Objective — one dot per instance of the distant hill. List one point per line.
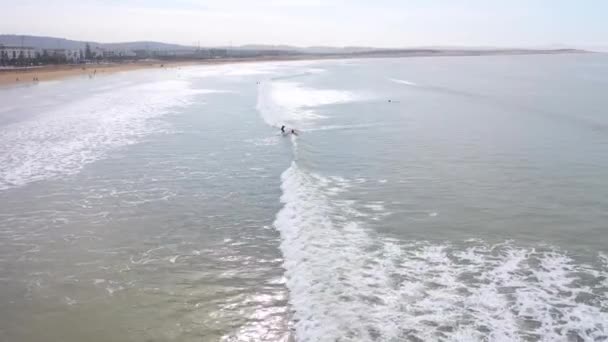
(309, 49)
(61, 43)
(145, 46)
(598, 48)
(40, 42)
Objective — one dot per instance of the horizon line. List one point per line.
(472, 46)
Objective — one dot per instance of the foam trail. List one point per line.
(324, 260)
(281, 102)
(342, 127)
(403, 82)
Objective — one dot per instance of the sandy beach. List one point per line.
(52, 72)
(30, 75)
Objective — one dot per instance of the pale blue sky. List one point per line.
(380, 23)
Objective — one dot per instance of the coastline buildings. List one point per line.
(97, 52)
(70, 56)
(30, 56)
(119, 54)
(10, 53)
(26, 54)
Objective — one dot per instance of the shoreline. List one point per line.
(33, 75)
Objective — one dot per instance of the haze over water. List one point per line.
(454, 199)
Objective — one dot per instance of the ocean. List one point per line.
(423, 199)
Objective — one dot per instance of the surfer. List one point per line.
(283, 129)
(293, 131)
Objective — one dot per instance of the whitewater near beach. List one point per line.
(424, 199)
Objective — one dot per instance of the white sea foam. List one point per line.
(6, 108)
(374, 206)
(63, 140)
(403, 82)
(320, 257)
(49, 83)
(282, 102)
(348, 284)
(267, 141)
(173, 259)
(314, 71)
(236, 70)
(251, 69)
(342, 127)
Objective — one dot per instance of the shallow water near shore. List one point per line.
(454, 199)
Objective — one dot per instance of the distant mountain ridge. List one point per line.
(41, 42)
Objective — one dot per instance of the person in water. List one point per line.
(283, 129)
(293, 131)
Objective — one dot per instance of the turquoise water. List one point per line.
(423, 199)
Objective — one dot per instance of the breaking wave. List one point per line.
(348, 284)
(64, 140)
(282, 102)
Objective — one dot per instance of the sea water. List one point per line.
(454, 199)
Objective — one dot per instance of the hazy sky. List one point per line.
(315, 22)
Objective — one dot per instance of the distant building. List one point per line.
(72, 56)
(97, 52)
(15, 52)
(163, 53)
(128, 53)
(218, 53)
(119, 54)
(202, 53)
(141, 53)
(108, 54)
(174, 53)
